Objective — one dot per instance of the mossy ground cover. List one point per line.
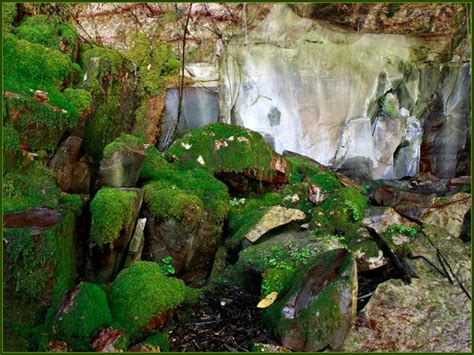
(111, 211)
(140, 293)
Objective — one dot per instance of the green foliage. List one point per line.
(304, 171)
(177, 187)
(9, 12)
(276, 280)
(48, 31)
(340, 213)
(166, 267)
(140, 293)
(393, 229)
(89, 312)
(123, 143)
(111, 211)
(153, 60)
(236, 202)
(224, 148)
(353, 209)
(29, 187)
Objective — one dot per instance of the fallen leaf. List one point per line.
(268, 301)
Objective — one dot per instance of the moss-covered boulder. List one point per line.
(113, 216)
(81, 313)
(279, 259)
(123, 158)
(153, 344)
(319, 308)
(185, 212)
(40, 101)
(40, 265)
(111, 80)
(230, 152)
(142, 297)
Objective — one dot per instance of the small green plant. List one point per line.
(167, 268)
(352, 207)
(366, 189)
(236, 202)
(401, 229)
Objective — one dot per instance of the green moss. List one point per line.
(110, 79)
(123, 143)
(140, 293)
(240, 151)
(389, 106)
(48, 31)
(303, 171)
(9, 13)
(29, 187)
(340, 213)
(38, 271)
(153, 60)
(197, 185)
(166, 200)
(111, 211)
(276, 280)
(87, 314)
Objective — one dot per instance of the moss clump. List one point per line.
(224, 148)
(340, 213)
(389, 105)
(29, 187)
(111, 211)
(89, 311)
(166, 200)
(196, 186)
(29, 67)
(304, 171)
(110, 80)
(276, 280)
(9, 13)
(141, 293)
(123, 143)
(154, 60)
(49, 31)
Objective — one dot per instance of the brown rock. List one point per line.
(104, 341)
(36, 219)
(57, 346)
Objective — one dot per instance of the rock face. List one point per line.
(282, 79)
(431, 314)
(319, 308)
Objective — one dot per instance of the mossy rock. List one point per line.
(222, 148)
(49, 31)
(30, 67)
(142, 297)
(155, 343)
(340, 213)
(304, 171)
(111, 211)
(110, 78)
(319, 308)
(82, 312)
(39, 269)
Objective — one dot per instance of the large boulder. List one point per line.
(142, 298)
(319, 308)
(185, 211)
(433, 313)
(113, 216)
